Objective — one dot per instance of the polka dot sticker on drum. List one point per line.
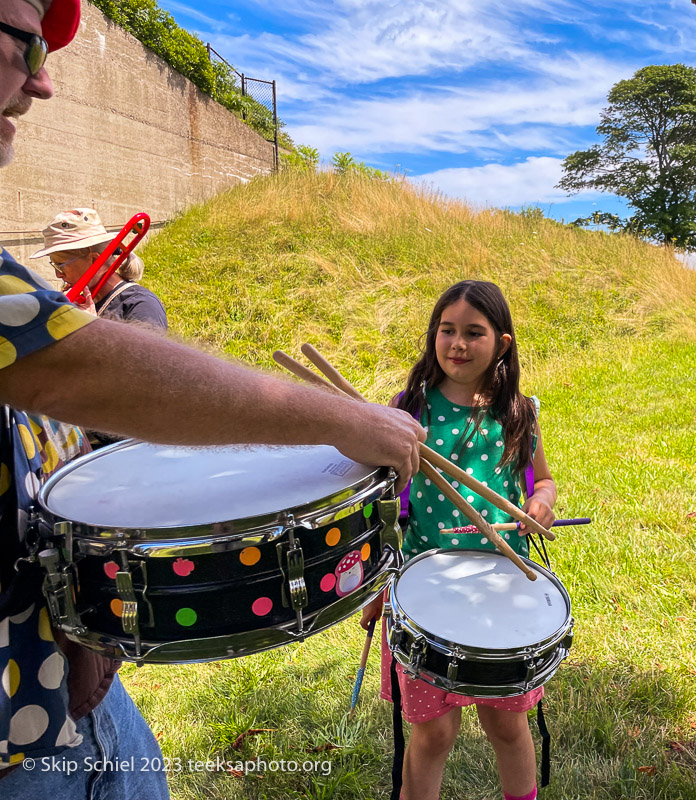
(365, 551)
(367, 511)
(183, 567)
(250, 556)
(328, 582)
(333, 537)
(186, 617)
(262, 606)
(110, 569)
(116, 606)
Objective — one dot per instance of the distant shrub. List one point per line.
(344, 163)
(188, 55)
(303, 158)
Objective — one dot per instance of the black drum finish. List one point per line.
(232, 590)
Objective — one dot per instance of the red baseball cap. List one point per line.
(60, 23)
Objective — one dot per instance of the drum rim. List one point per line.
(313, 514)
(481, 654)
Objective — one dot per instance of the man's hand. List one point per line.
(380, 436)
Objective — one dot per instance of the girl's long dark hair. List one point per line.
(500, 385)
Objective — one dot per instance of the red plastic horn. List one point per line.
(137, 225)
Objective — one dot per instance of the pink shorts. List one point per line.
(421, 702)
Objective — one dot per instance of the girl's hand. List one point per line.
(88, 305)
(539, 509)
(372, 610)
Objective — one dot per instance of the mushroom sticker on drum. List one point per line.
(349, 573)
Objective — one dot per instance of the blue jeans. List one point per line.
(119, 759)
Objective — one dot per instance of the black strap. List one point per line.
(545, 746)
(399, 742)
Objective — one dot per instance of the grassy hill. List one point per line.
(607, 336)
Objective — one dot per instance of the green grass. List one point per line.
(606, 332)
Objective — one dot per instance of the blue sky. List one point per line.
(482, 99)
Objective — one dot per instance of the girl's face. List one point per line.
(465, 347)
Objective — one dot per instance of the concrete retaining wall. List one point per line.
(124, 133)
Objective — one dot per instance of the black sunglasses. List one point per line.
(36, 47)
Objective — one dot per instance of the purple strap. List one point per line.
(529, 477)
(404, 496)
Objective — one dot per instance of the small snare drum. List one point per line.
(471, 623)
(174, 555)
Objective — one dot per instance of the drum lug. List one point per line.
(458, 656)
(390, 535)
(129, 613)
(416, 656)
(531, 667)
(58, 589)
(295, 591)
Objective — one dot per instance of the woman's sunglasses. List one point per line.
(36, 48)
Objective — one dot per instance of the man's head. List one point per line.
(23, 21)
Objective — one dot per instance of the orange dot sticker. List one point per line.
(249, 556)
(333, 537)
(116, 607)
(365, 552)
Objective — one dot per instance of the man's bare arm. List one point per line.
(125, 380)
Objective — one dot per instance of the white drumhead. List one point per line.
(139, 485)
(480, 600)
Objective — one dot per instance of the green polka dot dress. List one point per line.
(448, 427)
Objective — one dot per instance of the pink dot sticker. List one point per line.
(111, 568)
(183, 567)
(262, 606)
(328, 582)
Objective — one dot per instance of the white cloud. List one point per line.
(528, 182)
(531, 116)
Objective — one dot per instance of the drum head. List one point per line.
(138, 485)
(480, 600)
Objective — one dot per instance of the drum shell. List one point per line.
(225, 590)
(469, 670)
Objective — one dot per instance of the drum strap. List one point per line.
(545, 746)
(399, 742)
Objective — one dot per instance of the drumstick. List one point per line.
(473, 515)
(435, 458)
(331, 372)
(493, 497)
(363, 663)
(303, 372)
(513, 526)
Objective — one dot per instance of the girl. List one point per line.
(465, 391)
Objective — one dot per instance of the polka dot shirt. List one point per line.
(448, 427)
(34, 719)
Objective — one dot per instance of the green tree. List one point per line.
(648, 154)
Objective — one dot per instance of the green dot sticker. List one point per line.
(367, 511)
(186, 617)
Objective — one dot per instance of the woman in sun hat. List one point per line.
(74, 240)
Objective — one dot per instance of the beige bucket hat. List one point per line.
(72, 230)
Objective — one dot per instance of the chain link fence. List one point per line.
(253, 99)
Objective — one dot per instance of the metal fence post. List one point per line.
(275, 128)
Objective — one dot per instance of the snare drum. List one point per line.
(158, 554)
(471, 623)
